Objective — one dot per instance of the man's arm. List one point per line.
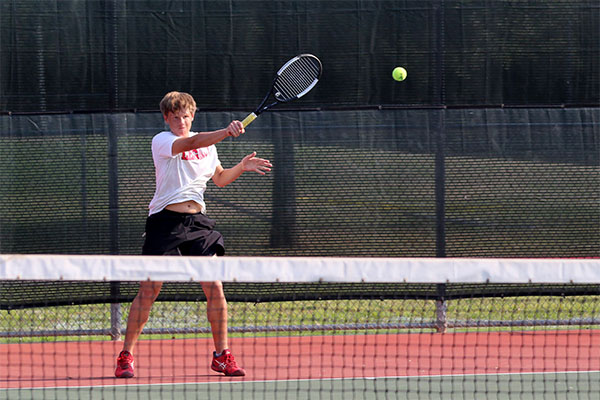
(224, 177)
(205, 139)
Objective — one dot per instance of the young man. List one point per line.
(177, 225)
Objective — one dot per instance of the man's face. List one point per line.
(180, 122)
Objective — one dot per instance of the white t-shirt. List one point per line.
(183, 176)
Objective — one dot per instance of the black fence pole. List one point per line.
(440, 158)
(284, 190)
(112, 73)
(114, 128)
(440, 186)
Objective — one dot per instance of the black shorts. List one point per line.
(173, 233)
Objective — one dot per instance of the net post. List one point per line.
(115, 311)
(441, 308)
(115, 321)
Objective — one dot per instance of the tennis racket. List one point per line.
(296, 78)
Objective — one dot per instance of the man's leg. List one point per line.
(138, 316)
(216, 310)
(139, 312)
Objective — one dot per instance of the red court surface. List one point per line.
(83, 363)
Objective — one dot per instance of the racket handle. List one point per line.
(249, 119)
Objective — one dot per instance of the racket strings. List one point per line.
(297, 79)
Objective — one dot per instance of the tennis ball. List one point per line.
(399, 74)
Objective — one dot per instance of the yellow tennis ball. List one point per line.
(399, 74)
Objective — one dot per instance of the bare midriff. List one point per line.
(186, 207)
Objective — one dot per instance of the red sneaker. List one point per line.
(226, 364)
(124, 365)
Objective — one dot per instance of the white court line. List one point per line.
(404, 377)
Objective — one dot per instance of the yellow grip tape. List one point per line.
(249, 119)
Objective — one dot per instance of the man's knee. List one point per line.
(149, 291)
(213, 291)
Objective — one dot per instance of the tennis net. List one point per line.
(304, 327)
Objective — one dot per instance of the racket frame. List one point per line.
(262, 107)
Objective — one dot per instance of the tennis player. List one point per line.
(177, 224)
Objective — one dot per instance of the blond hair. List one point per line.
(176, 101)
